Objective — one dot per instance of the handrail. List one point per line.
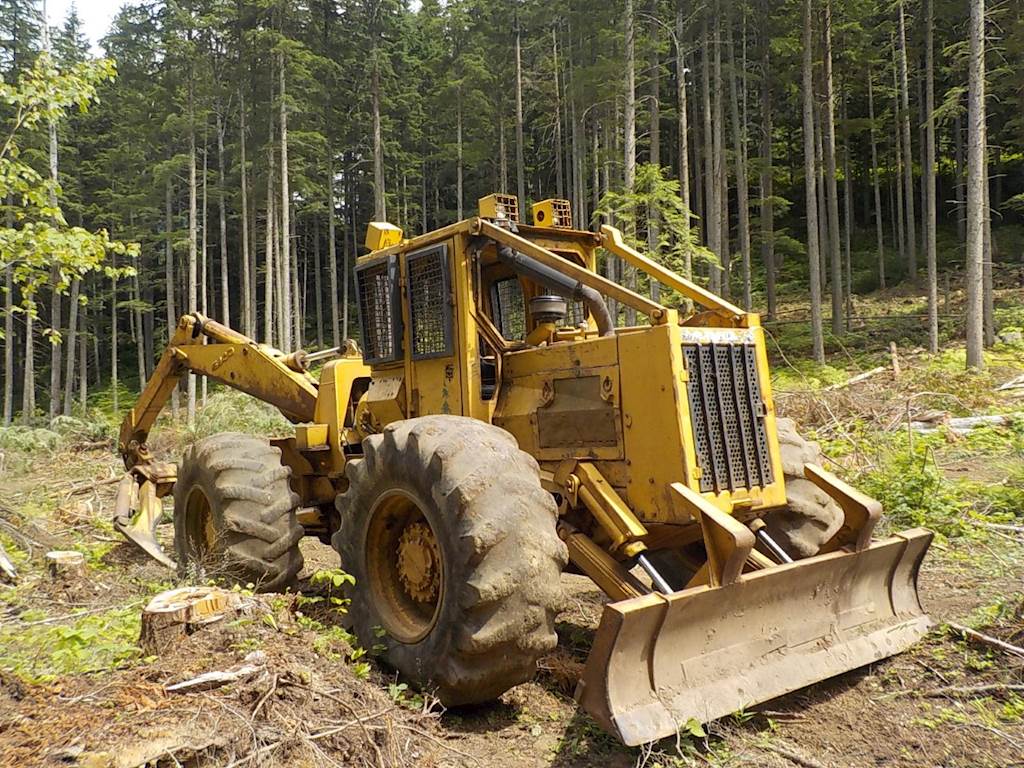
(611, 240)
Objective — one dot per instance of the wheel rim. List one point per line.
(405, 567)
(199, 528)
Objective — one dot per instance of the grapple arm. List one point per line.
(211, 349)
(205, 347)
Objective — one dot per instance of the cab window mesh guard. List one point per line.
(379, 313)
(430, 308)
(508, 309)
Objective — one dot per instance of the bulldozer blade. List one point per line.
(137, 513)
(662, 660)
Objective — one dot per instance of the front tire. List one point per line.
(452, 543)
(234, 513)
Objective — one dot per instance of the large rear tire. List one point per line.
(452, 543)
(811, 517)
(235, 513)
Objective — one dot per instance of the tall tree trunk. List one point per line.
(269, 288)
(879, 237)
(318, 286)
(654, 135)
(711, 209)
(520, 151)
(502, 160)
(988, 253)
(767, 176)
(810, 180)
(929, 179)
(976, 183)
(69, 364)
(828, 120)
(285, 257)
(823, 255)
(332, 249)
(225, 302)
(205, 268)
(739, 150)
(718, 119)
(908, 170)
(55, 297)
(172, 314)
(350, 241)
(193, 265)
(959, 191)
(379, 199)
(83, 372)
(683, 131)
(629, 132)
(9, 341)
(848, 222)
(559, 156)
(113, 343)
(458, 156)
(248, 314)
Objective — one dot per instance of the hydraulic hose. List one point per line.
(561, 284)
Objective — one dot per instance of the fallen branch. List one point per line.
(793, 757)
(975, 690)
(210, 680)
(991, 642)
(965, 424)
(91, 486)
(856, 379)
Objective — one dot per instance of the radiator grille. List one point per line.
(727, 414)
(429, 305)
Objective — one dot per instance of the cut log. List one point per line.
(964, 424)
(857, 379)
(257, 661)
(65, 566)
(992, 642)
(173, 614)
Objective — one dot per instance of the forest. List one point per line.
(242, 147)
(819, 204)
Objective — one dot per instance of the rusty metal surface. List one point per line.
(702, 653)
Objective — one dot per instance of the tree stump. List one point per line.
(173, 614)
(65, 566)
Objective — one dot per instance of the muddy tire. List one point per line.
(811, 517)
(452, 543)
(235, 513)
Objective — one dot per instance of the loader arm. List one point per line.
(206, 347)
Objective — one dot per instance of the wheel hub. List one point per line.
(419, 562)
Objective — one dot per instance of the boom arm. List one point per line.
(228, 357)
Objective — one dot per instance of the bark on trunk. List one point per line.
(739, 150)
(976, 183)
(248, 310)
(332, 249)
(908, 171)
(767, 177)
(879, 237)
(285, 258)
(810, 179)
(828, 120)
(520, 163)
(929, 179)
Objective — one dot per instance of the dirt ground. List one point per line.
(947, 702)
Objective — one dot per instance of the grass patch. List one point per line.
(38, 652)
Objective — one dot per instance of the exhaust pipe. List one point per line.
(561, 284)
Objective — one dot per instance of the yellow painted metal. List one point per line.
(380, 235)
(727, 542)
(341, 382)
(611, 240)
(659, 661)
(499, 207)
(596, 563)
(233, 359)
(861, 512)
(310, 437)
(552, 214)
(610, 511)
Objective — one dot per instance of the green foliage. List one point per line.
(39, 652)
(913, 492)
(655, 202)
(227, 410)
(40, 246)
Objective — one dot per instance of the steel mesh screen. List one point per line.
(508, 308)
(428, 304)
(377, 311)
(727, 415)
